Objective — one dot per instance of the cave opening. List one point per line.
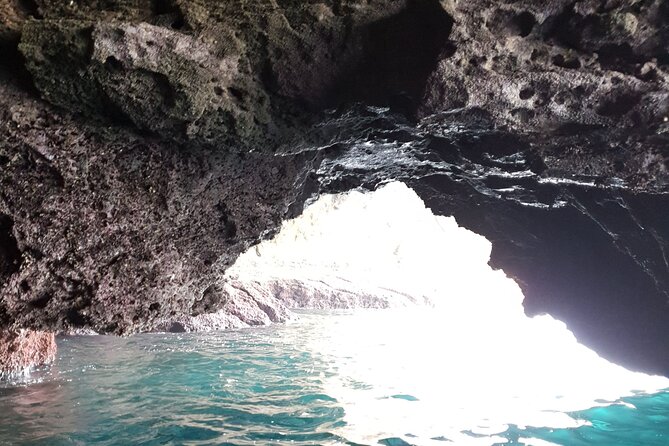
(447, 329)
(146, 145)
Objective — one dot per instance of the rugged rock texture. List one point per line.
(152, 142)
(237, 304)
(538, 65)
(97, 217)
(233, 72)
(252, 301)
(22, 349)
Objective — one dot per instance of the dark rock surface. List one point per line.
(144, 145)
(107, 219)
(538, 65)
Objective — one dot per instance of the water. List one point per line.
(325, 379)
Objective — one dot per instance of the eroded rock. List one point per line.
(23, 349)
(173, 135)
(90, 206)
(537, 66)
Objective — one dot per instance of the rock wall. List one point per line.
(115, 230)
(22, 349)
(539, 65)
(144, 145)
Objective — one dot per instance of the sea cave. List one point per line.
(398, 222)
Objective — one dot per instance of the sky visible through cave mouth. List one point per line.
(466, 366)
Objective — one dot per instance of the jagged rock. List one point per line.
(248, 301)
(537, 66)
(325, 294)
(155, 77)
(217, 72)
(179, 133)
(10, 256)
(113, 230)
(20, 350)
(239, 304)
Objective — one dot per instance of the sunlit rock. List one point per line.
(22, 349)
(244, 304)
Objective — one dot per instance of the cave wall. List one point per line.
(114, 229)
(144, 145)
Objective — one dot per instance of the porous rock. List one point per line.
(144, 145)
(22, 349)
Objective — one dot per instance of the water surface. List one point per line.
(326, 379)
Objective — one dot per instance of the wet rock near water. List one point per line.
(22, 349)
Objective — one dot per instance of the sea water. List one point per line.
(368, 377)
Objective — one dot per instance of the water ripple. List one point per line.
(264, 385)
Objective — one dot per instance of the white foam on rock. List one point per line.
(474, 362)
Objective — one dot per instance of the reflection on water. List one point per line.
(432, 375)
(27, 411)
(331, 379)
(464, 369)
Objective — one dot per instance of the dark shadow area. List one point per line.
(617, 57)
(167, 13)
(570, 63)
(618, 104)
(13, 68)
(399, 54)
(603, 285)
(10, 255)
(29, 8)
(504, 23)
(524, 23)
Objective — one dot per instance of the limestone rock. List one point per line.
(539, 66)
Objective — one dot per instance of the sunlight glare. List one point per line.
(469, 364)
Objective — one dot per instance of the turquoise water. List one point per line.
(283, 384)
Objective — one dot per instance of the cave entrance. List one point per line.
(381, 249)
(454, 333)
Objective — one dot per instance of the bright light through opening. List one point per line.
(469, 361)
